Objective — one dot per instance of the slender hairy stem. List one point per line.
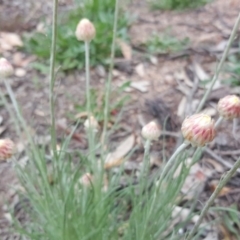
(217, 123)
(87, 72)
(172, 159)
(234, 129)
(145, 167)
(52, 77)
(169, 164)
(110, 74)
(90, 130)
(220, 65)
(214, 195)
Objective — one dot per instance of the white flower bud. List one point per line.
(91, 123)
(198, 129)
(85, 30)
(151, 131)
(6, 68)
(7, 149)
(229, 107)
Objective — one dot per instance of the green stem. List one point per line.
(110, 75)
(90, 130)
(217, 123)
(52, 77)
(37, 158)
(234, 129)
(214, 195)
(87, 71)
(170, 162)
(7, 105)
(220, 65)
(145, 167)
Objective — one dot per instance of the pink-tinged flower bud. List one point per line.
(85, 30)
(6, 68)
(91, 123)
(229, 107)
(7, 149)
(198, 129)
(151, 131)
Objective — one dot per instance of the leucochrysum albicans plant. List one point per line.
(83, 201)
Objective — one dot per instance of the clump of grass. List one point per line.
(118, 97)
(160, 44)
(72, 53)
(177, 4)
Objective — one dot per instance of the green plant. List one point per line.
(177, 4)
(71, 51)
(75, 197)
(161, 44)
(233, 69)
(231, 219)
(98, 102)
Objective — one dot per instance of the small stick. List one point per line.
(219, 159)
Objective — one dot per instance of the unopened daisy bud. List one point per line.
(7, 149)
(86, 179)
(151, 131)
(91, 123)
(229, 107)
(198, 129)
(85, 30)
(6, 68)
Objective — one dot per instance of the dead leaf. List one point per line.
(182, 107)
(141, 86)
(195, 179)
(20, 60)
(220, 46)
(184, 89)
(140, 70)
(210, 111)
(225, 231)
(41, 28)
(10, 40)
(20, 72)
(116, 158)
(182, 76)
(214, 165)
(206, 38)
(39, 113)
(223, 192)
(200, 72)
(81, 115)
(155, 159)
(203, 76)
(153, 60)
(125, 49)
(76, 136)
(100, 70)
